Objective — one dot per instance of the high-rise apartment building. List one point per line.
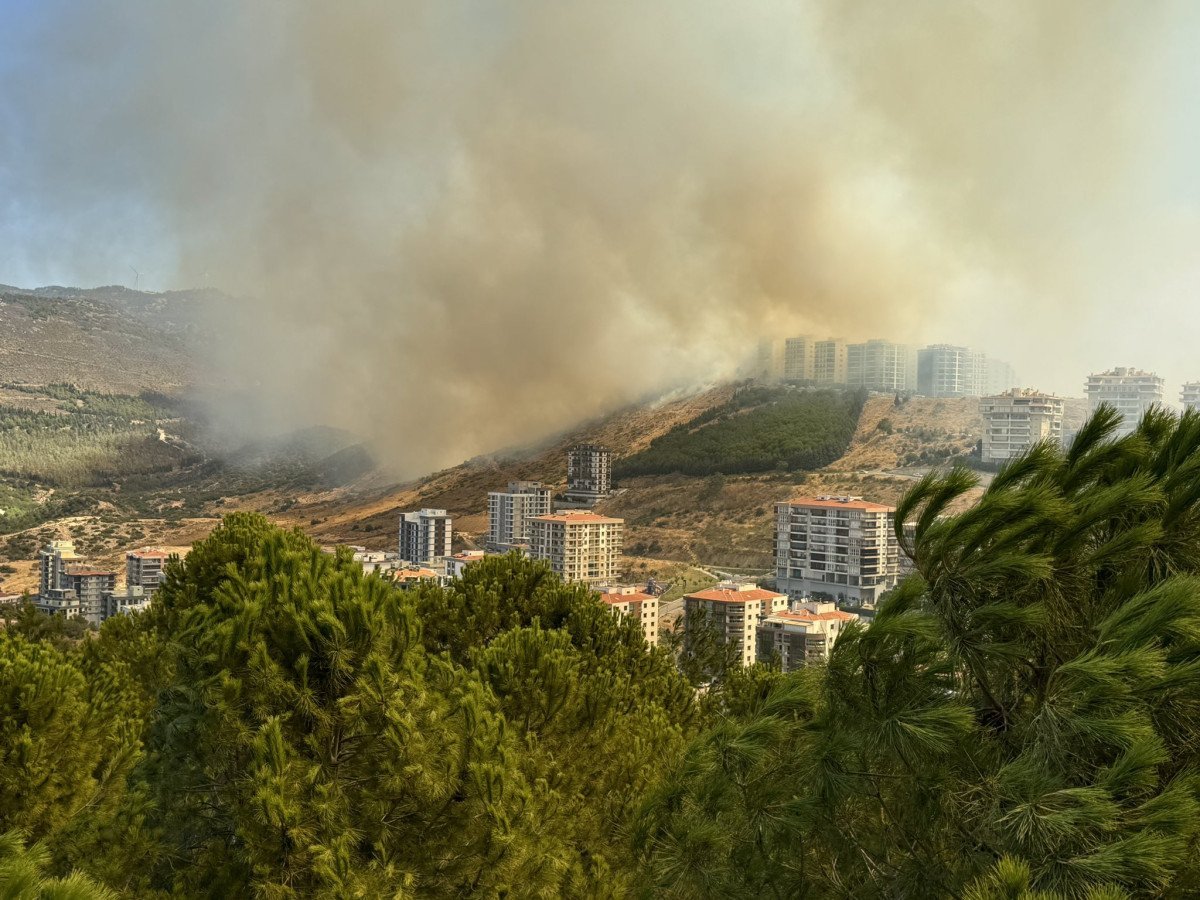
(589, 473)
(1015, 420)
(842, 548)
(1189, 396)
(829, 362)
(733, 611)
(509, 512)
(945, 370)
(580, 546)
(1130, 391)
(881, 366)
(1001, 377)
(53, 563)
(768, 362)
(91, 587)
(799, 362)
(144, 569)
(801, 635)
(637, 605)
(425, 536)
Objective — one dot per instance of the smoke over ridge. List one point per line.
(459, 225)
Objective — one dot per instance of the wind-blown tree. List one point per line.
(1020, 719)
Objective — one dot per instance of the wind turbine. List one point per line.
(137, 278)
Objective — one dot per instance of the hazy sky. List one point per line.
(460, 224)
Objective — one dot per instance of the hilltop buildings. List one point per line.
(1130, 391)
(945, 370)
(879, 365)
(801, 635)
(798, 359)
(1189, 396)
(580, 546)
(637, 605)
(589, 473)
(425, 536)
(841, 548)
(509, 513)
(733, 611)
(69, 588)
(1015, 420)
(829, 362)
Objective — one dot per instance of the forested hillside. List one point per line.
(1020, 720)
(759, 429)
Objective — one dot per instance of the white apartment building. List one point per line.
(1130, 391)
(798, 360)
(509, 512)
(589, 473)
(842, 548)
(1017, 419)
(132, 599)
(829, 362)
(801, 635)
(768, 362)
(144, 569)
(1189, 396)
(457, 564)
(881, 365)
(733, 610)
(425, 536)
(637, 605)
(580, 546)
(52, 564)
(1001, 376)
(945, 370)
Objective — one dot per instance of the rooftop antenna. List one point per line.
(137, 278)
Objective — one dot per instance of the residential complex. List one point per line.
(842, 548)
(1189, 396)
(733, 610)
(637, 605)
(457, 564)
(801, 635)
(580, 546)
(1017, 419)
(945, 370)
(425, 536)
(881, 365)
(798, 359)
(589, 473)
(1130, 391)
(144, 569)
(52, 565)
(510, 511)
(829, 362)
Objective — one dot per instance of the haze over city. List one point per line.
(453, 226)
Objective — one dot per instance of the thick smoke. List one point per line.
(461, 225)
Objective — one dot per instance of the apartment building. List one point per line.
(144, 569)
(1130, 391)
(732, 610)
(843, 548)
(425, 536)
(131, 599)
(798, 360)
(881, 365)
(53, 562)
(509, 512)
(580, 546)
(589, 473)
(457, 564)
(1189, 396)
(90, 587)
(637, 605)
(768, 361)
(829, 362)
(1015, 420)
(1000, 376)
(801, 635)
(946, 370)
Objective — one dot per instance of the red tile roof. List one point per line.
(723, 596)
(611, 597)
(830, 503)
(804, 615)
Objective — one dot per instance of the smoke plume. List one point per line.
(461, 225)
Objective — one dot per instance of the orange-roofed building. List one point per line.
(801, 635)
(835, 548)
(637, 605)
(411, 577)
(733, 610)
(579, 546)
